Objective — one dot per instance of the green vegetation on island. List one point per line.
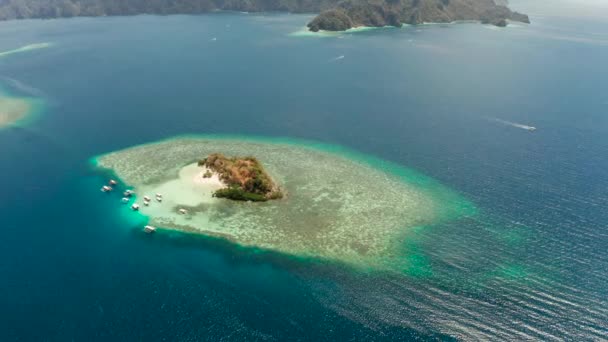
(245, 178)
(335, 15)
(377, 13)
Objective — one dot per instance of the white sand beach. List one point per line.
(189, 190)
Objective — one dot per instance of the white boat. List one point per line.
(160, 199)
(183, 211)
(135, 207)
(146, 198)
(125, 200)
(106, 188)
(112, 182)
(146, 203)
(128, 193)
(149, 229)
(159, 195)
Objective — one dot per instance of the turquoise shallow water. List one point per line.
(530, 264)
(33, 107)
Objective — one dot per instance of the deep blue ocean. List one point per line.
(444, 100)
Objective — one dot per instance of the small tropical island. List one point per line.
(245, 178)
(336, 204)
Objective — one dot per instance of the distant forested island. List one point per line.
(335, 15)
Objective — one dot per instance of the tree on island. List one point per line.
(245, 178)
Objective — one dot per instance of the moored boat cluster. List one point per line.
(127, 197)
(135, 206)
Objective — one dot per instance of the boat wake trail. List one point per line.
(514, 124)
(25, 48)
(337, 58)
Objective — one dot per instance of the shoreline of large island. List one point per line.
(342, 205)
(333, 15)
